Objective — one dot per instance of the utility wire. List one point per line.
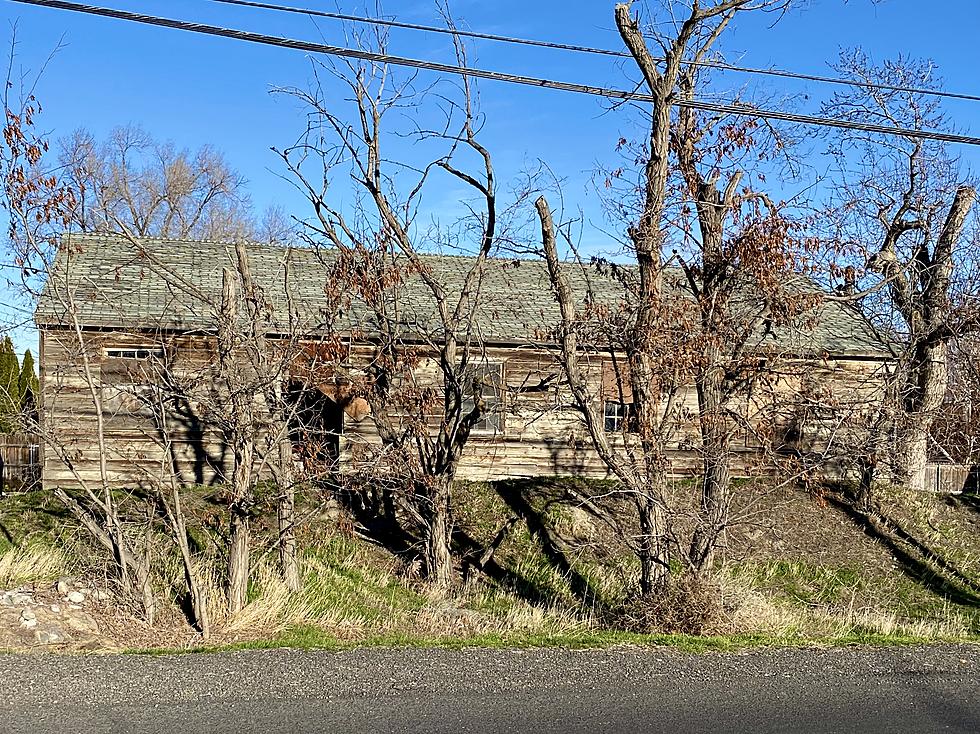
(726, 109)
(591, 50)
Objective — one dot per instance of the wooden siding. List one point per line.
(541, 434)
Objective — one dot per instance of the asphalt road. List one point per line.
(920, 689)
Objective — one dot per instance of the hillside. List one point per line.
(540, 568)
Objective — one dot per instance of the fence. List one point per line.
(950, 478)
(20, 462)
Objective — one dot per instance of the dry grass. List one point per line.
(272, 610)
(749, 611)
(356, 591)
(476, 610)
(844, 614)
(848, 622)
(31, 563)
(686, 605)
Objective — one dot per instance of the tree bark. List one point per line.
(928, 379)
(654, 550)
(199, 606)
(438, 555)
(240, 433)
(238, 561)
(865, 491)
(716, 482)
(239, 535)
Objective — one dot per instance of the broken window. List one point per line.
(618, 417)
(134, 353)
(486, 381)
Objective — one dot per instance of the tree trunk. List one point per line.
(238, 561)
(654, 550)
(438, 554)
(239, 535)
(926, 383)
(288, 558)
(199, 605)
(865, 492)
(716, 483)
(912, 452)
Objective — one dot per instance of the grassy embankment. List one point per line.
(799, 569)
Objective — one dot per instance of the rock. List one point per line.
(82, 624)
(47, 637)
(38, 627)
(582, 525)
(55, 608)
(76, 597)
(62, 587)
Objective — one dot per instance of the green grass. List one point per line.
(803, 583)
(345, 580)
(313, 638)
(33, 516)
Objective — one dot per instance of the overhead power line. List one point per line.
(351, 53)
(591, 50)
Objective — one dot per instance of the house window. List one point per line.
(485, 380)
(619, 417)
(130, 380)
(135, 353)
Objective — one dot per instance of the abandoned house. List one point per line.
(113, 312)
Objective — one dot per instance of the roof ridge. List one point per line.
(271, 246)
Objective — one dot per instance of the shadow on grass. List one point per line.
(7, 534)
(380, 526)
(966, 501)
(471, 550)
(516, 494)
(919, 561)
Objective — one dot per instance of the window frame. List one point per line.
(141, 352)
(126, 379)
(492, 422)
(621, 420)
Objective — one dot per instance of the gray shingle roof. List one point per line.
(168, 284)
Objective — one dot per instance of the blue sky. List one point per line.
(196, 89)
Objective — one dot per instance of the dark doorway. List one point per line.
(318, 424)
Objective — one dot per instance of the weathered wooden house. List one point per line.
(112, 310)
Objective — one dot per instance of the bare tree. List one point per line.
(741, 254)
(427, 375)
(39, 207)
(154, 189)
(45, 211)
(241, 397)
(903, 206)
(653, 321)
